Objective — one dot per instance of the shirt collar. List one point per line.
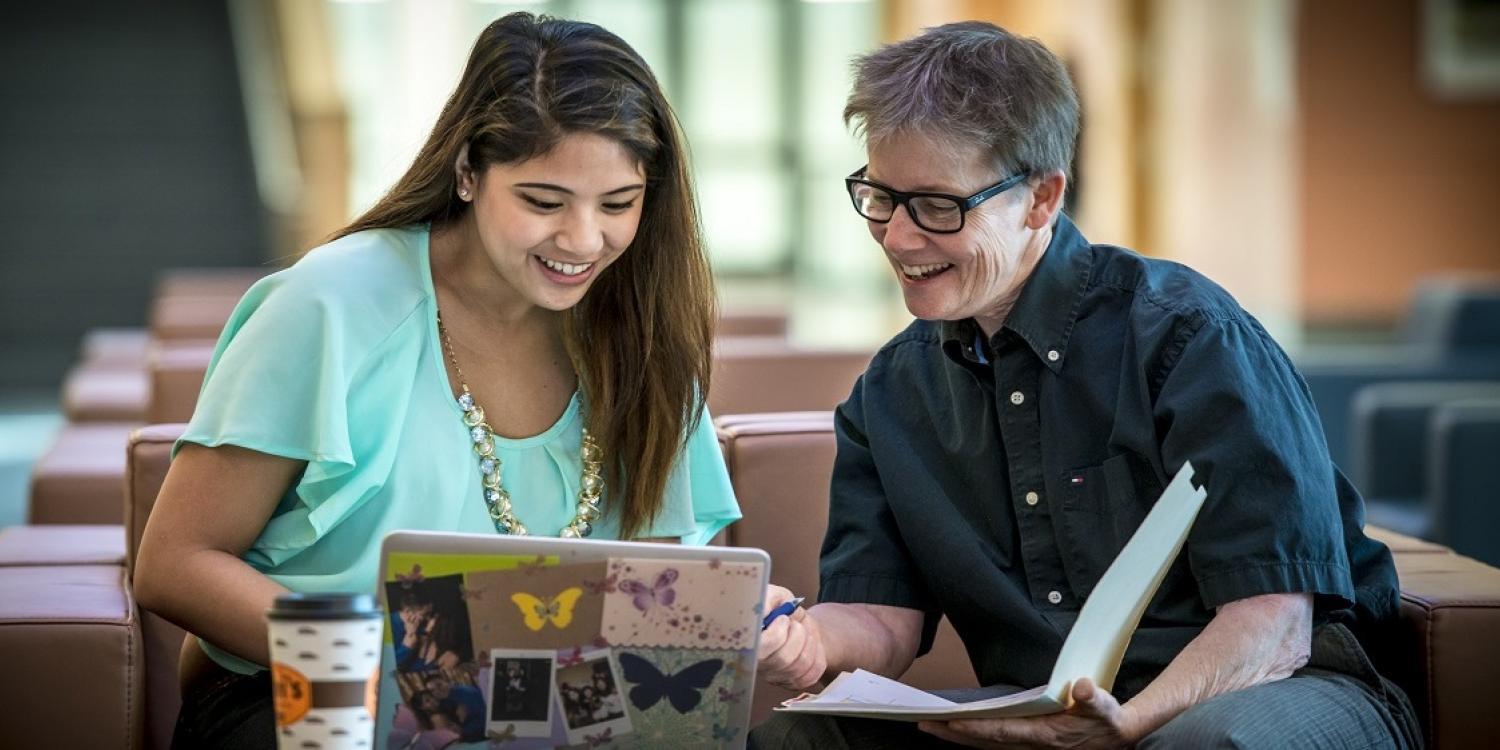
(1048, 306)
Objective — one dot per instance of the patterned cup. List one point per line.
(323, 649)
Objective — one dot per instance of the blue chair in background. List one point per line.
(1465, 497)
(1451, 333)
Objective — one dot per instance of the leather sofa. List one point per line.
(758, 374)
(148, 457)
(70, 639)
(1442, 650)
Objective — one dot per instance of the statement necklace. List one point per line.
(590, 483)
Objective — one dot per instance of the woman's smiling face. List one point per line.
(551, 224)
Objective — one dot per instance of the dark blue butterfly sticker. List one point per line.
(684, 689)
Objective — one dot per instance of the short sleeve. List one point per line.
(280, 383)
(864, 559)
(699, 499)
(1232, 403)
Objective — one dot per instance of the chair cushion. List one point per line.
(79, 479)
(105, 393)
(71, 644)
(62, 545)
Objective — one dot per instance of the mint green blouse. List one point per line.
(336, 361)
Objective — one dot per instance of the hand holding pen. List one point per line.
(791, 643)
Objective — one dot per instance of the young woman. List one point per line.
(515, 339)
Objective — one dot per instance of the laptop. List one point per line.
(533, 642)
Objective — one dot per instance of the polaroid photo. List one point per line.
(593, 703)
(522, 689)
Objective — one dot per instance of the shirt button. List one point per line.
(1032, 498)
(1017, 398)
(1055, 597)
(1052, 355)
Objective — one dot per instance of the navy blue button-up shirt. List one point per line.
(994, 480)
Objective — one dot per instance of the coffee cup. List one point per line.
(324, 647)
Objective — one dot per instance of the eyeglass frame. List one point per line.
(900, 199)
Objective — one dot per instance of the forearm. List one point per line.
(1248, 642)
(216, 596)
(855, 637)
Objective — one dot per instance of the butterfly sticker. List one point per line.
(603, 738)
(684, 690)
(646, 597)
(469, 594)
(606, 586)
(409, 579)
(558, 610)
(571, 660)
(738, 667)
(509, 735)
(532, 566)
(724, 733)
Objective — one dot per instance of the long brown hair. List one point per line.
(641, 340)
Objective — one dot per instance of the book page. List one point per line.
(869, 688)
(1094, 647)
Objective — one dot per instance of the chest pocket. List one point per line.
(1102, 506)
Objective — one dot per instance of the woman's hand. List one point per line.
(791, 649)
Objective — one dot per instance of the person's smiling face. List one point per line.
(969, 273)
(551, 224)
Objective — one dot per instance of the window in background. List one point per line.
(759, 87)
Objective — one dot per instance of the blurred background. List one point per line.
(1334, 163)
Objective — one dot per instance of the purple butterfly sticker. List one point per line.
(661, 593)
(603, 738)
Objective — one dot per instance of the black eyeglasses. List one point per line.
(940, 213)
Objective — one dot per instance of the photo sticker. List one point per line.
(590, 691)
(521, 695)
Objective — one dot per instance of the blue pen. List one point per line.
(786, 608)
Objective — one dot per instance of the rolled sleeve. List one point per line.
(1232, 404)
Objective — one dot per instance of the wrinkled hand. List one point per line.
(1094, 721)
(791, 650)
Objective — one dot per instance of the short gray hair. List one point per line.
(970, 83)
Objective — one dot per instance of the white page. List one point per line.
(864, 687)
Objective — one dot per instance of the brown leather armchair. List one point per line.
(70, 639)
(148, 456)
(1442, 652)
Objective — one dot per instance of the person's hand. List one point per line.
(1094, 721)
(791, 649)
(410, 620)
(372, 691)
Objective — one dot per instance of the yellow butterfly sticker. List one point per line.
(558, 610)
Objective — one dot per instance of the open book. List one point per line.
(1093, 648)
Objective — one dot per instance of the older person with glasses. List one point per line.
(997, 455)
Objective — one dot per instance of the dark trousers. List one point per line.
(229, 711)
(1337, 700)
